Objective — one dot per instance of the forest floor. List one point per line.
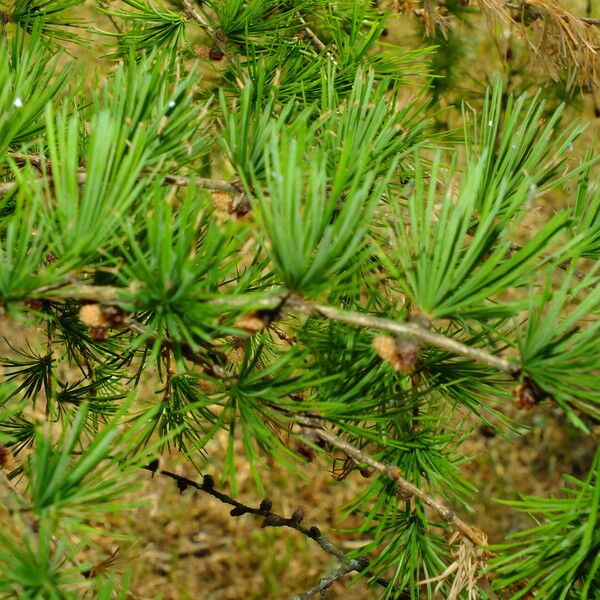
(192, 548)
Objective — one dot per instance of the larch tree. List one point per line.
(246, 206)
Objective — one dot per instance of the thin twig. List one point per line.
(200, 182)
(217, 37)
(110, 294)
(324, 583)
(270, 519)
(526, 6)
(393, 473)
(314, 38)
(403, 328)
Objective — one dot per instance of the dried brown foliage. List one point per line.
(562, 43)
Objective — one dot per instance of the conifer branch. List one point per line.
(393, 473)
(245, 347)
(405, 329)
(36, 160)
(216, 36)
(272, 519)
(111, 296)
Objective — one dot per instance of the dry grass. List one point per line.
(188, 546)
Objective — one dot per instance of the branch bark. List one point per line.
(294, 304)
(314, 38)
(217, 185)
(393, 473)
(406, 329)
(324, 583)
(272, 519)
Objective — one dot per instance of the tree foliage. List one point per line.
(249, 208)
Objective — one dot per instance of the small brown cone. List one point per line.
(401, 355)
(527, 395)
(252, 323)
(6, 458)
(92, 316)
(216, 54)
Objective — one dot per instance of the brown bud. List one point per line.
(401, 355)
(208, 482)
(182, 485)
(6, 458)
(93, 316)
(528, 394)
(114, 315)
(266, 505)
(33, 304)
(252, 322)
(305, 451)
(297, 516)
(153, 466)
(215, 54)
(314, 532)
(240, 205)
(99, 334)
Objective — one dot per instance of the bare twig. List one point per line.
(324, 583)
(314, 38)
(393, 473)
(272, 519)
